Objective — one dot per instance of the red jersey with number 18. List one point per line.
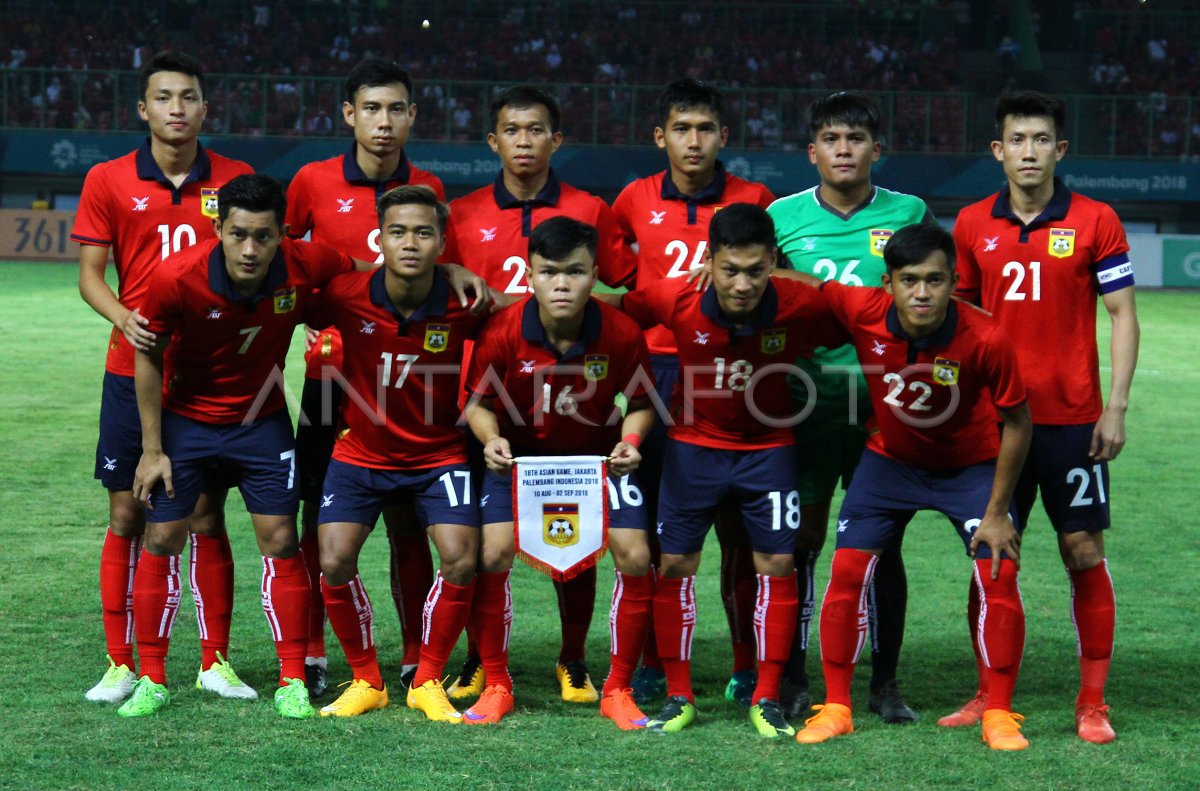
(1040, 281)
(933, 399)
(129, 205)
(225, 363)
(671, 228)
(732, 392)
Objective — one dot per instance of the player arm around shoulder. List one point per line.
(100, 297)
(625, 456)
(1108, 438)
(154, 465)
(996, 528)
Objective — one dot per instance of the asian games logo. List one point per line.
(64, 154)
(1191, 266)
(740, 167)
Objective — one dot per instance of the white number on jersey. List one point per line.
(290, 457)
(1016, 270)
(826, 269)
(1079, 475)
(922, 390)
(739, 373)
(448, 481)
(785, 510)
(679, 249)
(373, 243)
(182, 237)
(517, 265)
(565, 404)
(251, 333)
(629, 494)
(406, 361)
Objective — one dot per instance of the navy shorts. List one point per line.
(666, 375)
(120, 445)
(885, 494)
(314, 442)
(626, 502)
(442, 495)
(697, 480)
(1074, 487)
(260, 458)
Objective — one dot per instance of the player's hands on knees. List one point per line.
(1108, 438)
(152, 468)
(624, 459)
(497, 454)
(134, 329)
(1000, 535)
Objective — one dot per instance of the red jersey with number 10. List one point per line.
(129, 205)
(225, 362)
(1040, 281)
(933, 399)
(671, 228)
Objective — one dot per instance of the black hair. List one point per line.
(689, 94)
(912, 244)
(740, 224)
(252, 192)
(854, 109)
(1030, 104)
(413, 193)
(376, 72)
(525, 96)
(556, 238)
(170, 60)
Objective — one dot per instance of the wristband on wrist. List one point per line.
(633, 439)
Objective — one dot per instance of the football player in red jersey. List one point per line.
(400, 439)
(145, 206)
(938, 374)
(229, 307)
(333, 201)
(546, 378)
(489, 233)
(1036, 255)
(667, 215)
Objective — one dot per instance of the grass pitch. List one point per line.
(52, 519)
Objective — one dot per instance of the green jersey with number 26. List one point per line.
(817, 239)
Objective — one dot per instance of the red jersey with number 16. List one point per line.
(933, 399)
(671, 228)
(1041, 281)
(225, 363)
(129, 205)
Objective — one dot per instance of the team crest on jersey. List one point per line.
(1062, 242)
(437, 337)
(560, 524)
(208, 201)
(595, 367)
(945, 371)
(285, 299)
(773, 340)
(879, 240)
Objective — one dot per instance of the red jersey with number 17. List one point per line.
(225, 362)
(732, 392)
(933, 399)
(400, 406)
(561, 402)
(489, 232)
(128, 204)
(671, 228)
(334, 202)
(1041, 281)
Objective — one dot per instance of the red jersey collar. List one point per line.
(354, 174)
(219, 282)
(1056, 209)
(148, 169)
(939, 337)
(548, 196)
(436, 301)
(533, 331)
(764, 314)
(710, 194)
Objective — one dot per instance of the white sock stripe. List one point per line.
(135, 551)
(614, 608)
(508, 608)
(167, 621)
(864, 592)
(435, 593)
(983, 654)
(268, 598)
(197, 594)
(364, 611)
(762, 602)
(687, 596)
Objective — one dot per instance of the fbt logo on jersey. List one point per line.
(345, 205)
(140, 204)
(488, 234)
(657, 217)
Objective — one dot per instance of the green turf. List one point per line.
(52, 517)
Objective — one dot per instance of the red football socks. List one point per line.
(628, 621)
(674, 625)
(774, 626)
(1094, 610)
(446, 609)
(285, 599)
(211, 581)
(353, 621)
(491, 616)
(118, 561)
(311, 551)
(412, 576)
(973, 627)
(843, 627)
(1002, 630)
(576, 601)
(156, 591)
